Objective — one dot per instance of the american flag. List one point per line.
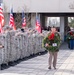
(23, 20)
(1, 19)
(38, 26)
(11, 21)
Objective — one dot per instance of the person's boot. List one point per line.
(54, 67)
(49, 67)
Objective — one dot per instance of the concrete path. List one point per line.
(39, 65)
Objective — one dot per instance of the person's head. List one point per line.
(6, 28)
(22, 30)
(49, 28)
(53, 29)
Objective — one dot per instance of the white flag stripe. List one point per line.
(1, 15)
(0, 10)
(11, 20)
(11, 17)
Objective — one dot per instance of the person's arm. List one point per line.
(59, 40)
(45, 42)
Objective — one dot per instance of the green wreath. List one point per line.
(56, 41)
(70, 35)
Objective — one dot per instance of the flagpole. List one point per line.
(35, 19)
(36, 14)
(40, 23)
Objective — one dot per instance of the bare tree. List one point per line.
(18, 17)
(71, 22)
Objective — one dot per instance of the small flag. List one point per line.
(11, 22)
(38, 26)
(1, 19)
(23, 20)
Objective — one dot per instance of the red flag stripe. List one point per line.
(1, 19)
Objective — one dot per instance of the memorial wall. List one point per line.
(39, 5)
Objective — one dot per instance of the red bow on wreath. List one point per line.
(51, 36)
(71, 33)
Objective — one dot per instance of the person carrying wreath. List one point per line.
(52, 43)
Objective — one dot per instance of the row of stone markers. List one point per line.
(18, 45)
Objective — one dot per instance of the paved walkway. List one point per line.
(39, 65)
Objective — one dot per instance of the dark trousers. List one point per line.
(53, 55)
